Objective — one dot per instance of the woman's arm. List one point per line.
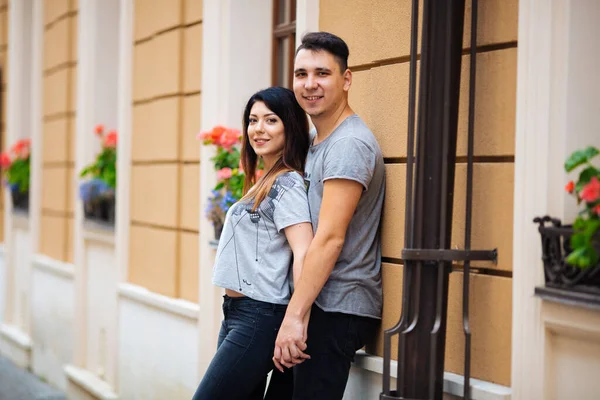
(299, 237)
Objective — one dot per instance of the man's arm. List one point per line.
(340, 199)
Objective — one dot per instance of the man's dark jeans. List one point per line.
(333, 339)
(244, 354)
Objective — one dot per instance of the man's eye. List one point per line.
(300, 74)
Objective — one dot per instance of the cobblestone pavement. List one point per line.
(18, 384)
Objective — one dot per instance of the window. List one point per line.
(284, 42)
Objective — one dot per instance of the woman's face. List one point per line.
(265, 133)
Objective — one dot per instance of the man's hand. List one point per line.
(291, 342)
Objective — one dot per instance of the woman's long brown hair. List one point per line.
(283, 103)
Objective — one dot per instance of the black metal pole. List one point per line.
(432, 224)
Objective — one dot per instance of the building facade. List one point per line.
(128, 311)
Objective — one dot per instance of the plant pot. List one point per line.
(100, 209)
(556, 246)
(20, 200)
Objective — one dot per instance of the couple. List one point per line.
(331, 185)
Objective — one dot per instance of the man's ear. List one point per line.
(347, 80)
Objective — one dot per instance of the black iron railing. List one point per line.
(427, 257)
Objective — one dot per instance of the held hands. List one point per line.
(291, 342)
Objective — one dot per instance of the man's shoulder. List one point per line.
(357, 130)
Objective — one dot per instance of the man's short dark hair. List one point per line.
(319, 41)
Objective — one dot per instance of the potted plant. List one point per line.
(571, 253)
(16, 166)
(230, 174)
(98, 192)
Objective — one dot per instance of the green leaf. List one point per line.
(578, 240)
(580, 157)
(582, 258)
(585, 176)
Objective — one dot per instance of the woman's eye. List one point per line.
(272, 121)
(252, 121)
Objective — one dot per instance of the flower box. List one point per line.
(556, 247)
(20, 200)
(16, 164)
(100, 209)
(98, 193)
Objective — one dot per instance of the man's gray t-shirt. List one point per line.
(351, 152)
(254, 257)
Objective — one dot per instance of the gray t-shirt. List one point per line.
(351, 152)
(254, 256)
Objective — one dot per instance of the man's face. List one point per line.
(319, 85)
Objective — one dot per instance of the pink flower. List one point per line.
(110, 140)
(20, 146)
(224, 173)
(5, 160)
(591, 192)
(24, 153)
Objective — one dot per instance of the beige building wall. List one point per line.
(379, 40)
(59, 178)
(165, 202)
(3, 91)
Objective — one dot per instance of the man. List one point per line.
(342, 268)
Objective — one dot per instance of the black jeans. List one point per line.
(244, 354)
(333, 339)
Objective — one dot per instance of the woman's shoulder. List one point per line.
(290, 178)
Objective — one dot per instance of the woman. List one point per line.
(263, 232)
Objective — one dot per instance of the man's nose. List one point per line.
(311, 82)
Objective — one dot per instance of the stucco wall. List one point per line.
(59, 178)
(165, 215)
(379, 39)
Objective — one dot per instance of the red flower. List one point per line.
(99, 129)
(259, 173)
(570, 187)
(5, 160)
(21, 148)
(229, 138)
(597, 209)
(213, 136)
(110, 140)
(591, 192)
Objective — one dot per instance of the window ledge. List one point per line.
(142, 295)
(98, 232)
(569, 297)
(453, 383)
(53, 266)
(90, 382)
